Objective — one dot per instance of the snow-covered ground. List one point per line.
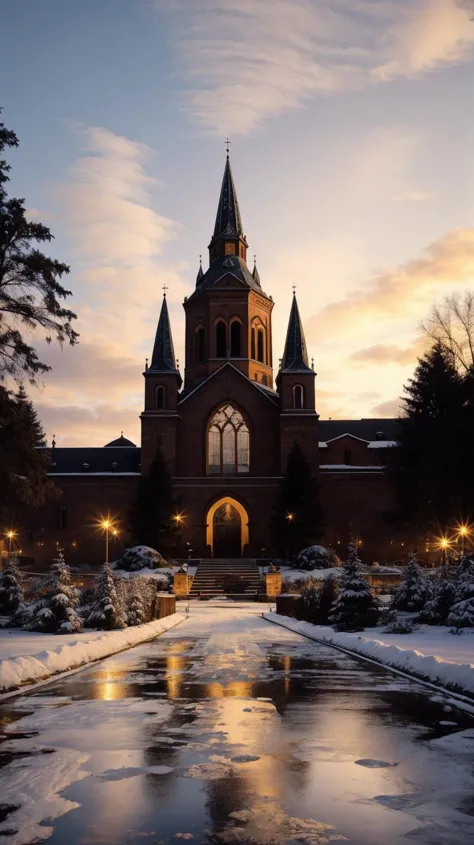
(436, 656)
(27, 658)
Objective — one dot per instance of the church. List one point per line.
(226, 427)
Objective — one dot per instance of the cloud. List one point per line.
(389, 409)
(250, 61)
(413, 196)
(75, 425)
(448, 261)
(382, 353)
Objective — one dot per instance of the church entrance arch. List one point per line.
(227, 529)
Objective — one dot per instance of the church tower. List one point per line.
(228, 317)
(162, 383)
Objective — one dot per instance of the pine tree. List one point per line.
(136, 614)
(107, 612)
(427, 467)
(11, 587)
(414, 590)
(462, 611)
(23, 466)
(30, 289)
(355, 607)
(298, 518)
(437, 608)
(56, 613)
(151, 518)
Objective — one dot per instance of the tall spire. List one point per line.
(295, 356)
(163, 359)
(228, 219)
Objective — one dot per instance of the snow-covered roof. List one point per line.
(382, 444)
(347, 434)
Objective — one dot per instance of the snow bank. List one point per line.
(27, 669)
(454, 676)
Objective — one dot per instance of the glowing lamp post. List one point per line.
(463, 533)
(108, 527)
(10, 535)
(444, 544)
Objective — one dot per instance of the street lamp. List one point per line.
(290, 517)
(463, 533)
(108, 527)
(444, 543)
(10, 535)
(178, 518)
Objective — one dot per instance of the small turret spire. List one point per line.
(163, 359)
(255, 273)
(200, 272)
(295, 356)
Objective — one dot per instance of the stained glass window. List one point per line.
(228, 443)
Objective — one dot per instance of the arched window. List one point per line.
(298, 397)
(347, 457)
(160, 397)
(253, 347)
(199, 345)
(221, 339)
(228, 443)
(235, 330)
(260, 345)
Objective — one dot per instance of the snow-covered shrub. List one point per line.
(308, 606)
(136, 613)
(355, 607)
(415, 588)
(56, 612)
(107, 611)
(401, 626)
(462, 611)
(317, 557)
(11, 587)
(437, 608)
(140, 557)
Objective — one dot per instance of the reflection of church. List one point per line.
(228, 430)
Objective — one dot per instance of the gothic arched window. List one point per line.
(235, 330)
(199, 345)
(253, 349)
(260, 345)
(228, 451)
(221, 339)
(160, 397)
(298, 397)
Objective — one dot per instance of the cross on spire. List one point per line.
(294, 288)
(227, 143)
(164, 289)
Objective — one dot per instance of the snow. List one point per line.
(431, 656)
(22, 662)
(302, 575)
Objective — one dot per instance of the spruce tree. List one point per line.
(11, 587)
(30, 288)
(427, 466)
(298, 518)
(56, 612)
(437, 608)
(136, 614)
(462, 611)
(151, 518)
(107, 612)
(414, 589)
(355, 606)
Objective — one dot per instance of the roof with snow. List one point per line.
(364, 429)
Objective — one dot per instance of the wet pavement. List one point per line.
(228, 729)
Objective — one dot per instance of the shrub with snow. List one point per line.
(462, 611)
(415, 588)
(317, 598)
(107, 611)
(140, 557)
(438, 607)
(317, 557)
(56, 612)
(136, 613)
(355, 607)
(400, 626)
(11, 587)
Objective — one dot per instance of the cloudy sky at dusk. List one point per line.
(352, 151)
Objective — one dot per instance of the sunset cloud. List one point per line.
(381, 353)
(389, 409)
(249, 62)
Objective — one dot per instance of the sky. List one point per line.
(352, 133)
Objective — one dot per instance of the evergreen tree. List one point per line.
(56, 613)
(415, 588)
(462, 611)
(298, 517)
(427, 467)
(136, 614)
(437, 608)
(107, 612)
(11, 587)
(23, 466)
(151, 518)
(355, 607)
(30, 288)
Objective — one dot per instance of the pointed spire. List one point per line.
(255, 271)
(163, 359)
(200, 272)
(228, 219)
(295, 356)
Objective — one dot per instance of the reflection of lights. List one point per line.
(109, 686)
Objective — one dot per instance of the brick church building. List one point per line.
(226, 431)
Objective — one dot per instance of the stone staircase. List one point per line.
(235, 578)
